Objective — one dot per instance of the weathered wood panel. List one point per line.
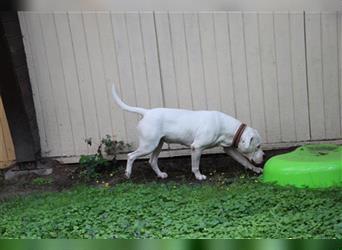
(269, 76)
(7, 154)
(72, 89)
(279, 72)
(298, 78)
(323, 74)
(42, 89)
(330, 61)
(111, 72)
(57, 82)
(224, 63)
(31, 63)
(239, 66)
(254, 73)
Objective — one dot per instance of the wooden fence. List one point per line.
(279, 72)
(7, 154)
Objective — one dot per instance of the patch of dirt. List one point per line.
(218, 168)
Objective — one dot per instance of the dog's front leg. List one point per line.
(195, 162)
(242, 160)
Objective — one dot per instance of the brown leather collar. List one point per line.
(238, 135)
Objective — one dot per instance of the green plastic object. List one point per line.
(309, 166)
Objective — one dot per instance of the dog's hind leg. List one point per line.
(195, 162)
(154, 161)
(143, 149)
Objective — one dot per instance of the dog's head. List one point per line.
(250, 145)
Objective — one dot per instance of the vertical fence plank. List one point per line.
(192, 37)
(254, 73)
(284, 76)
(323, 74)
(300, 95)
(330, 75)
(44, 85)
(151, 56)
(84, 77)
(3, 144)
(315, 77)
(224, 63)
(181, 60)
(137, 54)
(56, 75)
(71, 82)
(111, 73)
(166, 60)
(97, 77)
(31, 63)
(7, 154)
(207, 35)
(269, 75)
(128, 92)
(241, 91)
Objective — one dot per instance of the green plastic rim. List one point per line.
(309, 166)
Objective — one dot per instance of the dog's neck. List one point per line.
(238, 135)
(230, 125)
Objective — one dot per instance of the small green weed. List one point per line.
(112, 147)
(106, 156)
(91, 164)
(41, 181)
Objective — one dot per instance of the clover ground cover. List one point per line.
(243, 209)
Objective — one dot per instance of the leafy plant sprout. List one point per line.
(106, 154)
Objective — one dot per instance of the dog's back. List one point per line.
(183, 126)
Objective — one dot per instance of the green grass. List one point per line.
(41, 181)
(244, 209)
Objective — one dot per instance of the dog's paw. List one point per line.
(201, 177)
(257, 170)
(127, 175)
(162, 175)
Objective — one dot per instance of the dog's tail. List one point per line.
(124, 106)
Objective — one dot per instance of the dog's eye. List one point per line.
(258, 147)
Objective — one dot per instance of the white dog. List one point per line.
(198, 130)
